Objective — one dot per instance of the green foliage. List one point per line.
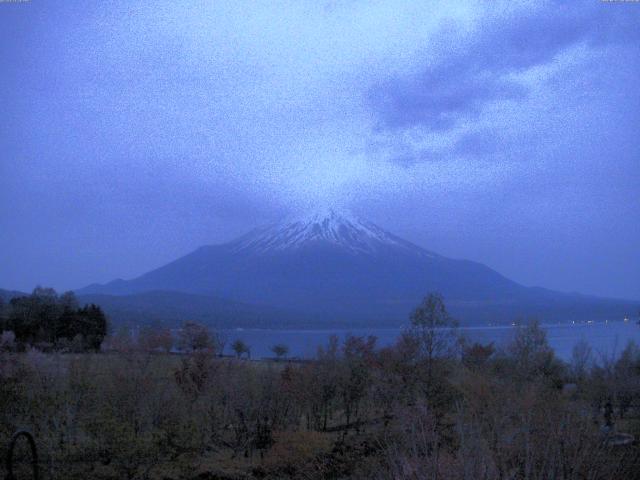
(53, 322)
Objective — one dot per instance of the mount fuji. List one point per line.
(332, 268)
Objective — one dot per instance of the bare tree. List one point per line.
(434, 330)
(532, 354)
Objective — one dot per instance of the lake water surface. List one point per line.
(606, 339)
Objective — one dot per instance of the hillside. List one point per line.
(332, 268)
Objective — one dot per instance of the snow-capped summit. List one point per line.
(329, 267)
(333, 228)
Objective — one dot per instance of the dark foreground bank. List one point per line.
(425, 407)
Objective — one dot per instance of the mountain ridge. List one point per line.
(340, 268)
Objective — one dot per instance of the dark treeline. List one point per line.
(432, 406)
(50, 321)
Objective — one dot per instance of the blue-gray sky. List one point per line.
(506, 132)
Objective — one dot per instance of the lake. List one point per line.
(605, 338)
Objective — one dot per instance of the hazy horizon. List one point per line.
(134, 133)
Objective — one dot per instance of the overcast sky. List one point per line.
(503, 132)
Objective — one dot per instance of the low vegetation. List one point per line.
(431, 406)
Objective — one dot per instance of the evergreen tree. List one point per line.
(45, 317)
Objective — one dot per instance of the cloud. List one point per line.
(480, 67)
(439, 98)
(144, 130)
(478, 143)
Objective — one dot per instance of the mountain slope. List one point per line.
(343, 269)
(172, 308)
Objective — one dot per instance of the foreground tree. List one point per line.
(354, 380)
(531, 353)
(434, 331)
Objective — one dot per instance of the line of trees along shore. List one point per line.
(50, 321)
(432, 406)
